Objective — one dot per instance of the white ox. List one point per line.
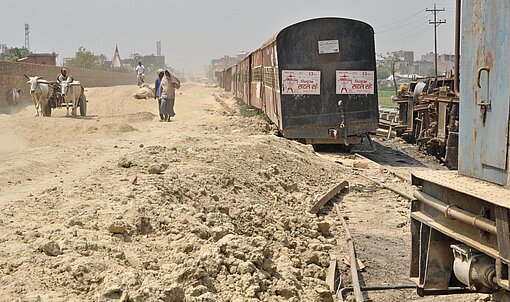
(71, 91)
(40, 92)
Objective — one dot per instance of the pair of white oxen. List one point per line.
(41, 92)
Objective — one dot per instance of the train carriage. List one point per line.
(316, 81)
(327, 75)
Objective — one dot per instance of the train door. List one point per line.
(270, 83)
(485, 96)
(276, 87)
(247, 79)
(263, 83)
(234, 80)
(256, 80)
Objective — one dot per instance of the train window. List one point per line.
(276, 78)
(257, 74)
(269, 76)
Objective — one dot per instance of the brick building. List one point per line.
(41, 58)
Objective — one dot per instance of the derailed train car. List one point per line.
(315, 80)
(460, 222)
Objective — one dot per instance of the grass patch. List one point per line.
(385, 93)
(247, 111)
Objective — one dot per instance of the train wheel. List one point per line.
(344, 148)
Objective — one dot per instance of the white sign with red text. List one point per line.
(354, 82)
(301, 82)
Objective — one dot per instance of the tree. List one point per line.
(136, 57)
(151, 62)
(85, 59)
(15, 54)
(383, 71)
(385, 65)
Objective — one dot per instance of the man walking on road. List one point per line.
(140, 73)
(157, 96)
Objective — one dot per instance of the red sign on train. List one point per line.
(301, 82)
(354, 82)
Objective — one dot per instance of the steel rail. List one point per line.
(358, 295)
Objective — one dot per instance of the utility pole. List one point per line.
(158, 48)
(27, 36)
(436, 23)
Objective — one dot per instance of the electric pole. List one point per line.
(158, 48)
(27, 36)
(436, 23)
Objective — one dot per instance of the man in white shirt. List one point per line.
(140, 73)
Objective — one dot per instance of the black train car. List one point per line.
(316, 81)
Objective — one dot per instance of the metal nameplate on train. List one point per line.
(301, 82)
(354, 82)
(329, 46)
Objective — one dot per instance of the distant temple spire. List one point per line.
(116, 61)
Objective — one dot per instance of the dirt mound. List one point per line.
(204, 229)
(141, 117)
(209, 207)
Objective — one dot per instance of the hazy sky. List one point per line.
(194, 32)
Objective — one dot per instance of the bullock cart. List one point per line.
(57, 100)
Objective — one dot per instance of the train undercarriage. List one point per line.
(428, 115)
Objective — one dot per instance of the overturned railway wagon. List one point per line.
(315, 80)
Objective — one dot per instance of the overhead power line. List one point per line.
(392, 29)
(401, 21)
(416, 30)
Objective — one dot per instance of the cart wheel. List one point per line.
(83, 105)
(47, 109)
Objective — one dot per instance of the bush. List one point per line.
(248, 111)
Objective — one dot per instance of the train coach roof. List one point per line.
(275, 36)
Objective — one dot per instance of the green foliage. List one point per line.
(87, 59)
(151, 62)
(385, 92)
(383, 70)
(247, 111)
(386, 66)
(17, 54)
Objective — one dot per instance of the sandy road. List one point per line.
(37, 153)
(226, 178)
